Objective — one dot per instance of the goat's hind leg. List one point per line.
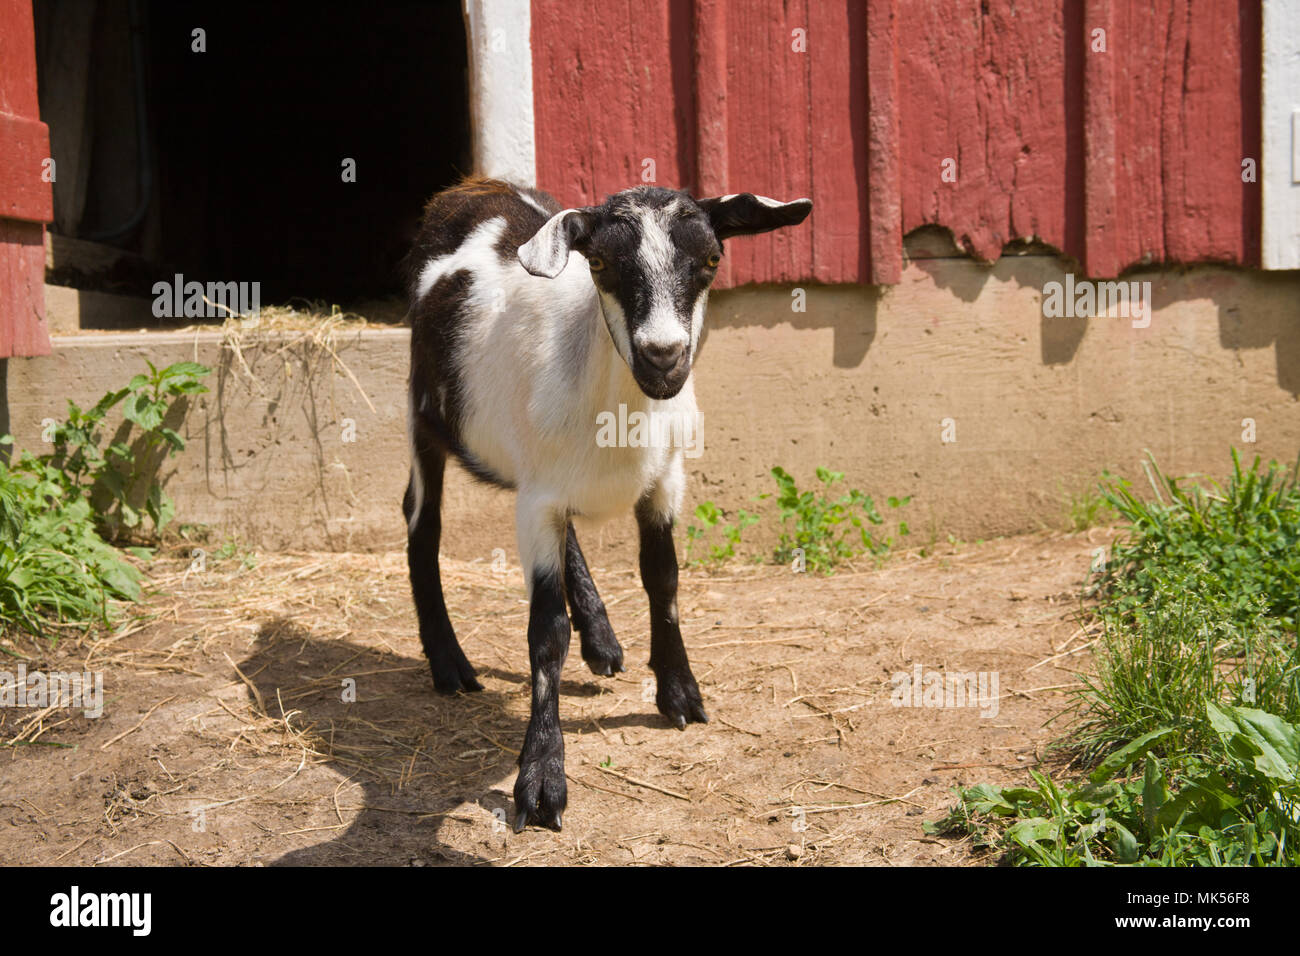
(600, 648)
(422, 506)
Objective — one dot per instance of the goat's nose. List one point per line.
(663, 357)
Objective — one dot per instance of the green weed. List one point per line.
(120, 479)
(721, 542)
(54, 566)
(826, 531)
(1197, 682)
(59, 510)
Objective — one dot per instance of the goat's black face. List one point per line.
(653, 254)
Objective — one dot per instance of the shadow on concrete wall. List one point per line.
(1256, 309)
(1243, 325)
(145, 465)
(852, 319)
(933, 250)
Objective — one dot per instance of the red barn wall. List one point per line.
(26, 200)
(1116, 158)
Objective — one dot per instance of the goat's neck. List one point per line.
(607, 379)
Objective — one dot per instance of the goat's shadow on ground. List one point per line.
(448, 752)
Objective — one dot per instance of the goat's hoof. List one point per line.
(605, 663)
(678, 699)
(456, 678)
(538, 812)
(524, 818)
(541, 793)
(602, 651)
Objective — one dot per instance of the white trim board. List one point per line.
(1280, 122)
(501, 89)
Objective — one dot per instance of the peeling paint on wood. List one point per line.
(1117, 157)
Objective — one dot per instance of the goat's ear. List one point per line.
(547, 253)
(744, 214)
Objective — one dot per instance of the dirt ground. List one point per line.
(226, 737)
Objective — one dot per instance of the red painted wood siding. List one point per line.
(1116, 158)
(26, 200)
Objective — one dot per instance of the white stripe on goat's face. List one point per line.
(663, 331)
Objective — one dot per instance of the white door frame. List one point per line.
(498, 34)
(1280, 123)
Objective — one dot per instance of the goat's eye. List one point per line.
(713, 260)
(596, 263)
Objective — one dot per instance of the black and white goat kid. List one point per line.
(528, 322)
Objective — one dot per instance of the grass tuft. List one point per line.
(1192, 720)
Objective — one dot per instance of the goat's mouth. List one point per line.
(658, 382)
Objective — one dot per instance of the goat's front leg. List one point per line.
(676, 695)
(540, 790)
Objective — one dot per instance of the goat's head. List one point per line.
(653, 254)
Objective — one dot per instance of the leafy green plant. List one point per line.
(57, 509)
(1198, 604)
(1237, 805)
(120, 480)
(1157, 665)
(827, 530)
(722, 546)
(1197, 681)
(1239, 544)
(232, 549)
(54, 566)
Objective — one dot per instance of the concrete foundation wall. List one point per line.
(861, 381)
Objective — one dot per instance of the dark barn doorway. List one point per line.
(239, 175)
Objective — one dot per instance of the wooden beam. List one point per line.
(1101, 255)
(711, 160)
(22, 290)
(884, 204)
(24, 146)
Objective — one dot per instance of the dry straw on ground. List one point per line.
(227, 707)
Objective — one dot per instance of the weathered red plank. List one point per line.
(1132, 154)
(22, 289)
(983, 95)
(1250, 80)
(769, 140)
(1179, 134)
(17, 59)
(884, 220)
(24, 147)
(24, 194)
(607, 98)
(1100, 253)
(24, 139)
(1203, 139)
(710, 63)
(1137, 33)
(837, 59)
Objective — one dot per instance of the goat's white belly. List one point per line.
(571, 471)
(611, 480)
